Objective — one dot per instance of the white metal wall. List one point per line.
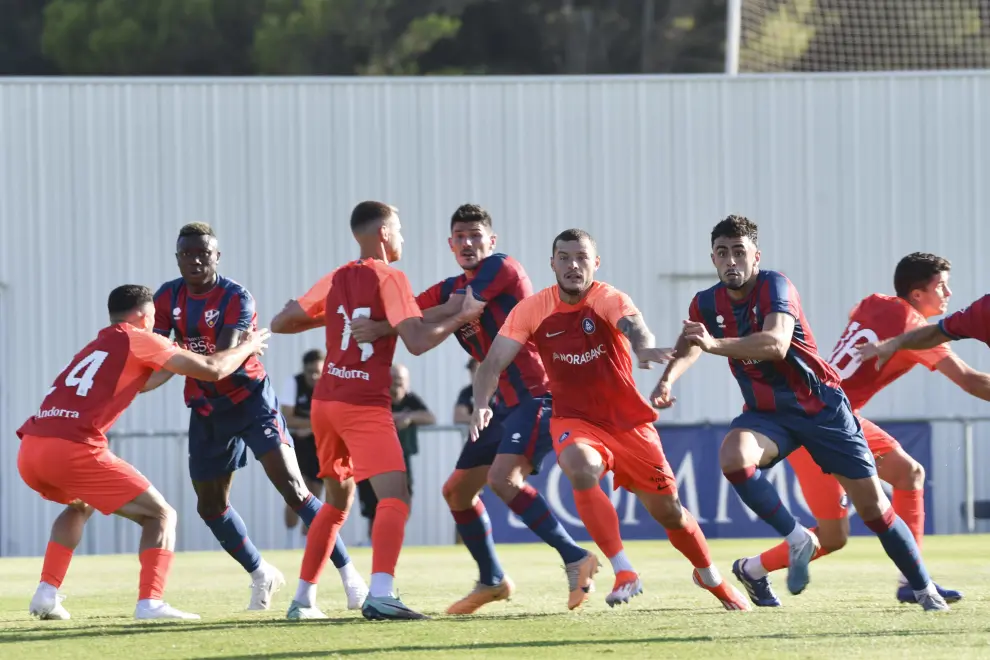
(845, 174)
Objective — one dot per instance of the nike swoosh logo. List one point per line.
(554, 334)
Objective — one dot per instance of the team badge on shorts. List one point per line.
(588, 326)
(563, 436)
(844, 501)
(211, 317)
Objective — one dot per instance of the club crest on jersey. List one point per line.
(588, 326)
(211, 317)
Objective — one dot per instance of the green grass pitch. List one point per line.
(848, 610)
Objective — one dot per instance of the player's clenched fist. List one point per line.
(472, 307)
(698, 335)
(479, 421)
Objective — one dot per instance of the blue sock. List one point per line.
(232, 533)
(475, 528)
(532, 508)
(759, 495)
(900, 546)
(306, 512)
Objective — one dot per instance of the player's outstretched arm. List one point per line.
(928, 336)
(501, 354)
(293, 319)
(771, 343)
(973, 382)
(642, 341)
(365, 331)
(221, 364)
(685, 354)
(420, 336)
(156, 380)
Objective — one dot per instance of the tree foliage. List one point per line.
(500, 37)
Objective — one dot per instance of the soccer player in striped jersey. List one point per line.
(793, 399)
(921, 284)
(207, 312)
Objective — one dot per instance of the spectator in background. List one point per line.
(409, 412)
(295, 403)
(464, 407)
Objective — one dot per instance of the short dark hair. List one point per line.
(471, 213)
(736, 226)
(573, 235)
(127, 298)
(197, 229)
(367, 212)
(312, 356)
(916, 270)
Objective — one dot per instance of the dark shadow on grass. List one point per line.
(547, 643)
(57, 632)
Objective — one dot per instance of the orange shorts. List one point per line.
(355, 441)
(635, 457)
(64, 471)
(825, 497)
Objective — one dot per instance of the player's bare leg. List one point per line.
(156, 551)
(907, 477)
(321, 537)
(685, 535)
(507, 479)
(584, 467)
(392, 491)
(877, 513)
(742, 455)
(461, 492)
(283, 471)
(67, 531)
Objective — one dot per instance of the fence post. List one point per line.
(970, 476)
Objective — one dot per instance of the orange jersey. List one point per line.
(589, 362)
(355, 373)
(876, 318)
(99, 384)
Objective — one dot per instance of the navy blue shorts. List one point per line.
(218, 443)
(523, 429)
(833, 437)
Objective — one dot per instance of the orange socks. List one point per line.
(910, 506)
(57, 558)
(155, 565)
(690, 542)
(321, 537)
(600, 519)
(387, 534)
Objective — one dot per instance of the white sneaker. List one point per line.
(264, 587)
(298, 612)
(161, 610)
(357, 592)
(930, 600)
(48, 608)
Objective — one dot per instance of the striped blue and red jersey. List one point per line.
(502, 282)
(797, 384)
(197, 321)
(973, 322)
